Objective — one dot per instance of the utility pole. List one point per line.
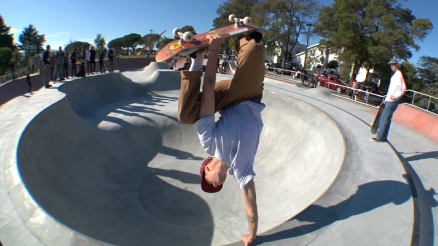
(307, 45)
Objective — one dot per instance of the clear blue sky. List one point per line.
(81, 20)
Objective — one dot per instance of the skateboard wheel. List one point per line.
(188, 36)
(247, 20)
(175, 32)
(231, 17)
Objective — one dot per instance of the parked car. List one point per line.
(286, 69)
(335, 82)
(270, 66)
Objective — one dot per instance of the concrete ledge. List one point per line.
(423, 122)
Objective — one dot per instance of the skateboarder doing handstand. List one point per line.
(232, 141)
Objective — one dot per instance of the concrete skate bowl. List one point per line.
(111, 161)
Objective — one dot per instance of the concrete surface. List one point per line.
(102, 160)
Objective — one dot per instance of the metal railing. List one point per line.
(424, 101)
(363, 96)
(418, 99)
(18, 73)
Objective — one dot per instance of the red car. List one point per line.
(334, 82)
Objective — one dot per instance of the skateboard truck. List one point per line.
(183, 36)
(239, 21)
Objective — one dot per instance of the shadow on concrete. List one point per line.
(369, 196)
(86, 160)
(422, 155)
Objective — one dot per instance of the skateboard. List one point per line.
(375, 125)
(189, 43)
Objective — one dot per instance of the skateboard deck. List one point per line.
(201, 40)
(375, 125)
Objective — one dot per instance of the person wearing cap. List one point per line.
(397, 88)
(233, 139)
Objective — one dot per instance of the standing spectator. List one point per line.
(111, 59)
(224, 63)
(82, 62)
(88, 59)
(52, 66)
(397, 88)
(12, 66)
(303, 74)
(28, 82)
(92, 60)
(355, 87)
(59, 61)
(46, 62)
(73, 59)
(101, 58)
(65, 65)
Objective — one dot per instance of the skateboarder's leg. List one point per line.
(385, 120)
(247, 83)
(189, 102)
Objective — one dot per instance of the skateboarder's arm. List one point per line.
(208, 100)
(249, 196)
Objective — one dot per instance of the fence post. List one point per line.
(413, 98)
(428, 104)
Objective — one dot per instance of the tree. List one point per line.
(131, 41)
(370, 32)
(31, 42)
(188, 28)
(241, 8)
(118, 43)
(410, 74)
(427, 70)
(149, 40)
(164, 41)
(76, 44)
(6, 55)
(285, 21)
(6, 39)
(333, 64)
(99, 42)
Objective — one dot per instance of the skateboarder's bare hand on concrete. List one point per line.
(215, 42)
(248, 239)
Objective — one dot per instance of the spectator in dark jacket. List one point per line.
(47, 69)
(92, 60)
(73, 59)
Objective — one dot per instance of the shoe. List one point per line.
(378, 140)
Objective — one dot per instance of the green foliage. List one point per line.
(149, 40)
(100, 41)
(6, 39)
(188, 29)
(6, 55)
(409, 71)
(132, 40)
(241, 8)
(371, 32)
(333, 64)
(164, 41)
(31, 42)
(284, 22)
(76, 44)
(428, 70)
(117, 43)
